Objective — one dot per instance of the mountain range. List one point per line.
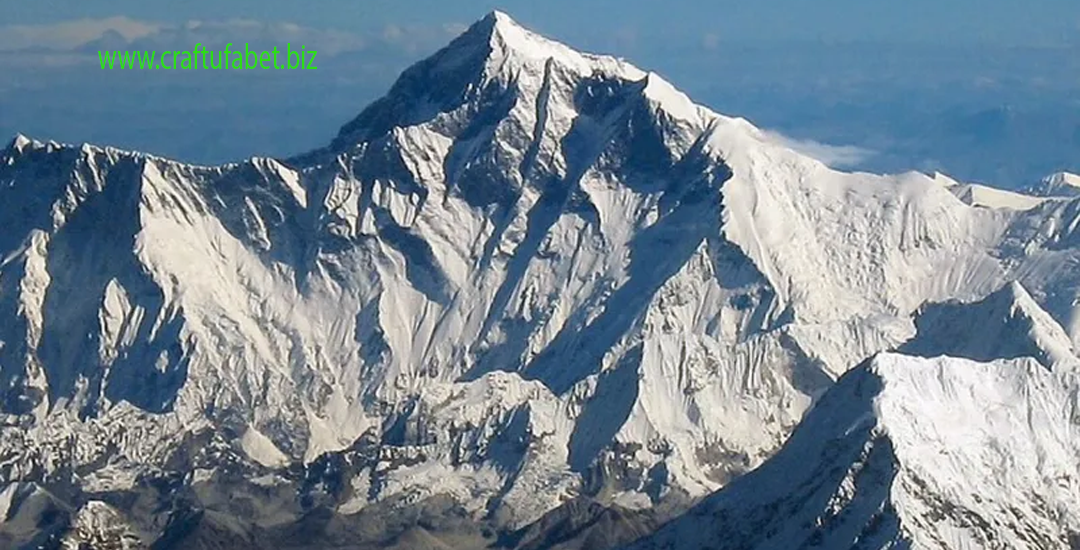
(532, 298)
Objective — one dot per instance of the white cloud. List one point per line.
(710, 41)
(833, 156)
(259, 34)
(414, 38)
(455, 29)
(392, 32)
(66, 35)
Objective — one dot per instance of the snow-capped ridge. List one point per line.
(20, 142)
(974, 194)
(1006, 324)
(508, 38)
(1058, 185)
(943, 179)
(492, 63)
(673, 101)
(23, 144)
(1063, 179)
(290, 178)
(911, 453)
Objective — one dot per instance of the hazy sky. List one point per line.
(931, 84)
(1030, 21)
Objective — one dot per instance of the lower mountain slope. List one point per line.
(907, 452)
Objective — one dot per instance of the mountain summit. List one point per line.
(525, 276)
(493, 58)
(1061, 184)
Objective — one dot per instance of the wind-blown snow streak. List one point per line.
(524, 274)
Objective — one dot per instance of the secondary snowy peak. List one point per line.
(1061, 184)
(18, 144)
(910, 453)
(22, 145)
(991, 197)
(1006, 324)
(974, 194)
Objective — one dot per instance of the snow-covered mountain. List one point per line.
(911, 453)
(524, 277)
(974, 194)
(1007, 324)
(1061, 184)
(928, 449)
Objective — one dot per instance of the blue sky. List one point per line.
(965, 86)
(829, 20)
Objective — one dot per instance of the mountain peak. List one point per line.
(1008, 323)
(494, 50)
(509, 39)
(1064, 178)
(19, 143)
(503, 34)
(496, 25)
(500, 21)
(1061, 184)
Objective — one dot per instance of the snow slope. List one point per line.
(1007, 324)
(990, 197)
(524, 275)
(915, 453)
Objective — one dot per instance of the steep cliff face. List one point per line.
(525, 275)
